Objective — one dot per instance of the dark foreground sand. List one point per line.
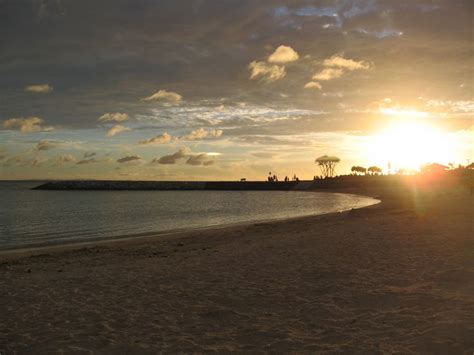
(396, 277)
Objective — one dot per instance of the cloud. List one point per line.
(453, 106)
(172, 158)
(45, 10)
(337, 13)
(64, 159)
(264, 155)
(87, 161)
(113, 117)
(337, 65)
(203, 159)
(316, 11)
(272, 72)
(159, 139)
(337, 61)
(23, 160)
(313, 85)
(26, 125)
(282, 55)
(197, 134)
(389, 107)
(116, 130)
(380, 34)
(201, 133)
(45, 145)
(328, 74)
(15, 160)
(274, 140)
(163, 95)
(233, 115)
(128, 159)
(266, 72)
(89, 154)
(399, 111)
(41, 88)
(200, 159)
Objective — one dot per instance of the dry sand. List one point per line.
(395, 277)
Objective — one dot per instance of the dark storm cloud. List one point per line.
(104, 56)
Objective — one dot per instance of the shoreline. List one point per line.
(391, 277)
(167, 234)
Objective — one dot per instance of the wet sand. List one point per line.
(394, 277)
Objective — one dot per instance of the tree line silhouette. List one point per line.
(371, 170)
(327, 164)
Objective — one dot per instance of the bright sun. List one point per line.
(408, 144)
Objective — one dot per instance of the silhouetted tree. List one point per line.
(358, 170)
(327, 164)
(374, 170)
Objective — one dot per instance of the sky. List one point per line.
(227, 89)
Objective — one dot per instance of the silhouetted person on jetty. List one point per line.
(272, 178)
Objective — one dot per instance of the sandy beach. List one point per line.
(394, 277)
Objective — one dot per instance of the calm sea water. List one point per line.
(34, 218)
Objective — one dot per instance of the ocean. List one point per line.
(31, 218)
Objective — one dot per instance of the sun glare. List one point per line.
(408, 144)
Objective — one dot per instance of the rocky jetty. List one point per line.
(174, 185)
(337, 183)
